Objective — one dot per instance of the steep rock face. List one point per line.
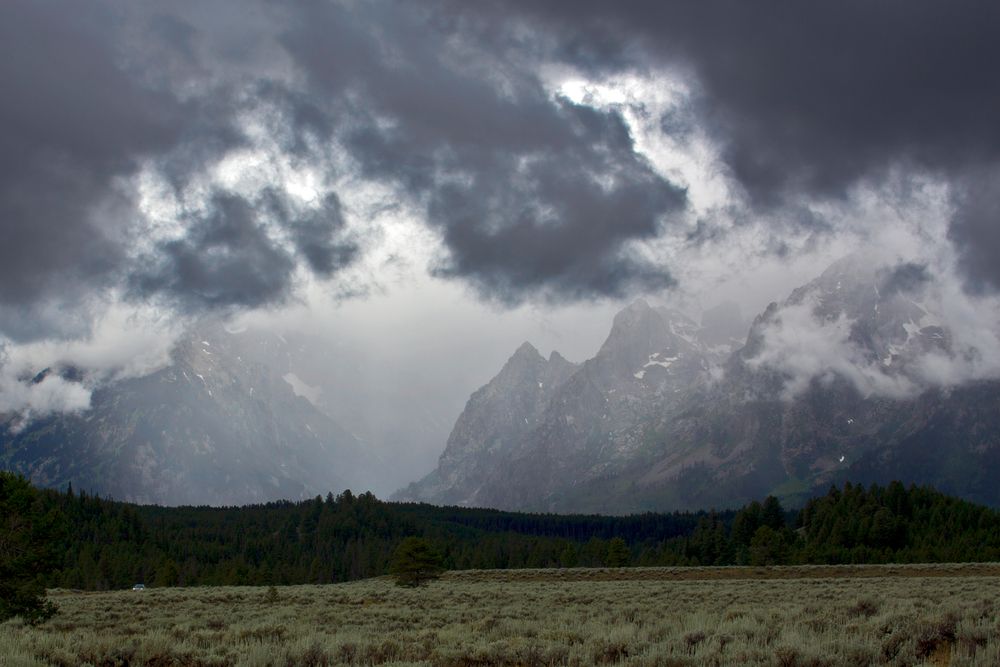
(496, 419)
(213, 427)
(866, 420)
(591, 428)
(582, 428)
(829, 385)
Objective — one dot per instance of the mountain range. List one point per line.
(219, 425)
(829, 385)
(846, 379)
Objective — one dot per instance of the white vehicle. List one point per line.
(139, 587)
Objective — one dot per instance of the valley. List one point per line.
(871, 615)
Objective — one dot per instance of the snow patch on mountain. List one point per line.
(300, 388)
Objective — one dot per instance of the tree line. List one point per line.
(105, 544)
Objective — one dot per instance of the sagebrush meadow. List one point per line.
(814, 615)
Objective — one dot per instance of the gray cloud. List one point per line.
(906, 278)
(809, 99)
(975, 230)
(556, 223)
(531, 195)
(70, 123)
(226, 259)
(317, 234)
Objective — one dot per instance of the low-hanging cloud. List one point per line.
(804, 348)
(917, 330)
(25, 398)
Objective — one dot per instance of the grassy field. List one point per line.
(891, 615)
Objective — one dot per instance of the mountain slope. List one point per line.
(577, 427)
(495, 420)
(213, 427)
(830, 385)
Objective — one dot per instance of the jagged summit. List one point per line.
(673, 414)
(495, 421)
(556, 405)
(527, 351)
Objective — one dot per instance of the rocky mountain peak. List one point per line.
(524, 365)
(639, 333)
(496, 419)
(892, 319)
(527, 352)
(558, 359)
(633, 324)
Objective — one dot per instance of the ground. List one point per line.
(895, 615)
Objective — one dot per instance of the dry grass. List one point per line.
(893, 615)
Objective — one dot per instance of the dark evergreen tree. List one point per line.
(110, 544)
(30, 536)
(768, 547)
(618, 553)
(415, 563)
(772, 514)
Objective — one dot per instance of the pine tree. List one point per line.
(415, 563)
(29, 537)
(618, 553)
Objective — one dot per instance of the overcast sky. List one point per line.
(472, 173)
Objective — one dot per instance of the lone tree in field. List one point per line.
(29, 540)
(415, 562)
(618, 553)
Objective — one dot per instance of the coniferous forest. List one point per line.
(108, 544)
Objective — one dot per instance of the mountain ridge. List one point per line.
(829, 385)
(214, 426)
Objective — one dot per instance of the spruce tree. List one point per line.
(415, 563)
(30, 535)
(618, 553)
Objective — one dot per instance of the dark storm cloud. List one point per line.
(808, 99)
(70, 122)
(225, 260)
(80, 115)
(975, 230)
(532, 195)
(810, 96)
(317, 234)
(554, 225)
(91, 92)
(904, 278)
